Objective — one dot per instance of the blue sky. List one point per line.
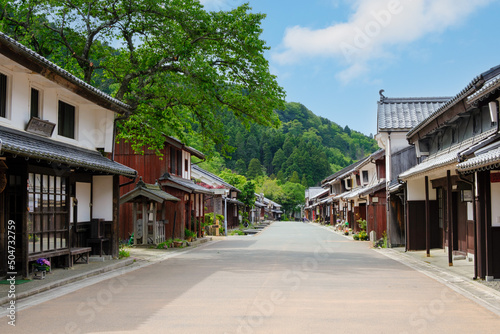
(334, 56)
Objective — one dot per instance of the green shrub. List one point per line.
(362, 224)
(123, 252)
(165, 244)
(355, 236)
(189, 233)
(363, 236)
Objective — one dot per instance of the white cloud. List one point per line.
(215, 5)
(372, 29)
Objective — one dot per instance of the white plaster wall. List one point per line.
(372, 174)
(495, 208)
(186, 155)
(102, 204)
(94, 125)
(82, 193)
(416, 190)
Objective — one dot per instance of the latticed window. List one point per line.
(48, 213)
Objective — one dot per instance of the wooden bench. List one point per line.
(48, 255)
(79, 254)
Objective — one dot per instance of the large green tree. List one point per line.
(177, 65)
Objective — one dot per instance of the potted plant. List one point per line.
(42, 264)
(189, 235)
(177, 242)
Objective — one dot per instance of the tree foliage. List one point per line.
(177, 65)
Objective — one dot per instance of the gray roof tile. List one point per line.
(37, 147)
(406, 113)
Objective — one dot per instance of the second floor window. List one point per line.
(3, 95)
(66, 120)
(35, 103)
(172, 161)
(365, 176)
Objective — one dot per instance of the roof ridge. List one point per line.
(436, 99)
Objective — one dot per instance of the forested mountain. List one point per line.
(305, 146)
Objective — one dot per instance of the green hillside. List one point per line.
(310, 146)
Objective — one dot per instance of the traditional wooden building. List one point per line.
(59, 192)
(173, 172)
(311, 197)
(223, 200)
(355, 193)
(395, 117)
(450, 206)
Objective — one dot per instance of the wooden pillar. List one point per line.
(450, 217)
(145, 218)
(155, 224)
(331, 213)
(480, 256)
(427, 219)
(134, 221)
(487, 225)
(115, 226)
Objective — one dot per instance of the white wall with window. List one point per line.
(23, 93)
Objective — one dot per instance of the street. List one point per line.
(291, 278)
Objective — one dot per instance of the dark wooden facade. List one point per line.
(175, 160)
(376, 219)
(46, 228)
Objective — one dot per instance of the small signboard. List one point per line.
(494, 177)
(40, 127)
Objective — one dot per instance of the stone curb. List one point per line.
(65, 281)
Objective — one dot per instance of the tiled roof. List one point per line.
(214, 177)
(320, 194)
(234, 201)
(431, 163)
(34, 57)
(445, 157)
(490, 87)
(259, 204)
(406, 113)
(151, 191)
(484, 161)
(373, 189)
(37, 147)
(188, 184)
(471, 89)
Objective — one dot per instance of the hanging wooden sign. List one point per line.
(40, 127)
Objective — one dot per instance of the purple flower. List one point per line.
(43, 262)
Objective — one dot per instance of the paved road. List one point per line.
(292, 278)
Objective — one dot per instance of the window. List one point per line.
(66, 120)
(172, 161)
(35, 103)
(186, 165)
(365, 176)
(3, 95)
(47, 213)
